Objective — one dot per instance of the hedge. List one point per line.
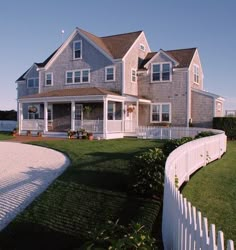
(227, 124)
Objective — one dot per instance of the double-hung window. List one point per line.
(160, 112)
(114, 111)
(133, 75)
(77, 49)
(78, 76)
(161, 72)
(196, 73)
(48, 79)
(109, 74)
(32, 82)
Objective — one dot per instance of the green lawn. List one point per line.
(213, 191)
(91, 191)
(5, 135)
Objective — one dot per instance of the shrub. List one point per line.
(232, 134)
(171, 145)
(228, 124)
(204, 134)
(147, 172)
(114, 236)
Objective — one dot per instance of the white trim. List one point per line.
(203, 92)
(81, 50)
(114, 73)
(165, 54)
(160, 112)
(200, 65)
(123, 78)
(73, 76)
(189, 104)
(45, 117)
(196, 66)
(45, 82)
(161, 72)
(135, 75)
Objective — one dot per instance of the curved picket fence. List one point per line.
(183, 227)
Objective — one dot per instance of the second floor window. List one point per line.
(78, 76)
(77, 49)
(48, 79)
(196, 73)
(110, 74)
(161, 72)
(133, 75)
(33, 83)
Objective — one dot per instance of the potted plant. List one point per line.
(90, 136)
(39, 133)
(130, 109)
(71, 133)
(28, 133)
(15, 132)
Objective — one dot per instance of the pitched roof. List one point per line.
(72, 92)
(182, 56)
(116, 45)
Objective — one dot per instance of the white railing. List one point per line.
(95, 126)
(114, 126)
(32, 124)
(183, 227)
(155, 132)
(7, 125)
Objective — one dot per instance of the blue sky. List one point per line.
(31, 31)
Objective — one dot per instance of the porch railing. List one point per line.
(32, 124)
(95, 126)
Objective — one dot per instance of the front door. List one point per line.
(130, 118)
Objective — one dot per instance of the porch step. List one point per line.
(55, 134)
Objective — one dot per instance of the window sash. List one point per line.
(133, 75)
(48, 81)
(110, 74)
(77, 49)
(196, 73)
(32, 83)
(160, 113)
(161, 72)
(78, 76)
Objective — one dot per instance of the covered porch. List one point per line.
(105, 114)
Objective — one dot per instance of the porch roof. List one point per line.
(94, 91)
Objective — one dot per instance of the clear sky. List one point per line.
(31, 31)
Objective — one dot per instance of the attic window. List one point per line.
(142, 47)
(77, 49)
(196, 73)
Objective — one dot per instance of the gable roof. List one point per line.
(72, 92)
(182, 56)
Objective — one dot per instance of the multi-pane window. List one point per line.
(160, 112)
(196, 73)
(110, 74)
(114, 111)
(48, 79)
(77, 49)
(161, 72)
(133, 75)
(78, 76)
(33, 83)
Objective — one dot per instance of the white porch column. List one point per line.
(137, 115)
(123, 116)
(20, 117)
(45, 117)
(73, 115)
(105, 107)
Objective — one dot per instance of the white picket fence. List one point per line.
(7, 125)
(183, 227)
(157, 132)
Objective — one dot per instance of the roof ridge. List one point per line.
(180, 49)
(121, 34)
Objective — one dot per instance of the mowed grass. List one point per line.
(5, 136)
(213, 191)
(90, 192)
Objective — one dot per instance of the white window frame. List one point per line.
(114, 73)
(74, 43)
(160, 112)
(34, 80)
(73, 76)
(133, 75)
(142, 47)
(161, 72)
(51, 74)
(196, 74)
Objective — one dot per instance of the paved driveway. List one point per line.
(25, 172)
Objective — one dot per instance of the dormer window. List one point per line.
(196, 73)
(161, 72)
(48, 79)
(77, 49)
